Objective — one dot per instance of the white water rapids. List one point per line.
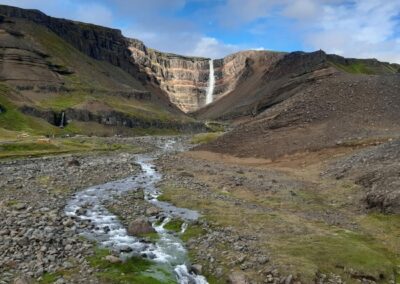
(211, 84)
(168, 250)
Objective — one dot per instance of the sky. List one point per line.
(216, 28)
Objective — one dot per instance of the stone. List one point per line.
(140, 226)
(22, 280)
(196, 268)
(263, 259)
(289, 279)
(237, 278)
(73, 163)
(112, 259)
(152, 211)
(19, 206)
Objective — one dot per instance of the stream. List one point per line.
(168, 251)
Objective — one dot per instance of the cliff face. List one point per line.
(100, 43)
(185, 79)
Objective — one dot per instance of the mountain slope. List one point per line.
(306, 103)
(53, 66)
(268, 83)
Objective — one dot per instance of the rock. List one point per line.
(263, 259)
(237, 278)
(73, 163)
(186, 174)
(112, 259)
(60, 281)
(289, 279)
(19, 206)
(140, 226)
(196, 268)
(152, 211)
(22, 280)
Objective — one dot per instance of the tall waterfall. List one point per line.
(211, 84)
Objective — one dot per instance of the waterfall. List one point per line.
(211, 84)
(62, 120)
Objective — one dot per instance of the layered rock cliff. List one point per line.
(185, 79)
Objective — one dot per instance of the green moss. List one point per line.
(133, 270)
(174, 225)
(49, 278)
(153, 237)
(164, 197)
(205, 137)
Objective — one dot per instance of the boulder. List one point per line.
(22, 280)
(196, 268)
(140, 226)
(112, 259)
(237, 277)
(152, 211)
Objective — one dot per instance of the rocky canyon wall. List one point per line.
(185, 79)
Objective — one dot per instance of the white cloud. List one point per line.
(367, 28)
(211, 47)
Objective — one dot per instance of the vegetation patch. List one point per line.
(40, 147)
(13, 120)
(49, 278)
(192, 231)
(205, 137)
(346, 253)
(174, 225)
(134, 270)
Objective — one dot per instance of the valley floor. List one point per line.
(292, 219)
(297, 218)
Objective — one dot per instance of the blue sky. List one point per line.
(215, 28)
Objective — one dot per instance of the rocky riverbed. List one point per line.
(36, 237)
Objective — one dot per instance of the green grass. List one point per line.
(205, 137)
(174, 225)
(64, 101)
(134, 270)
(49, 278)
(153, 236)
(355, 68)
(33, 147)
(163, 197)
(338, 253)
(193, 231)
(13, 120)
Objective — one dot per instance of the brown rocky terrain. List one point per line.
(309, 105)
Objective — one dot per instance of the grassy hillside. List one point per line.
(49, 74)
